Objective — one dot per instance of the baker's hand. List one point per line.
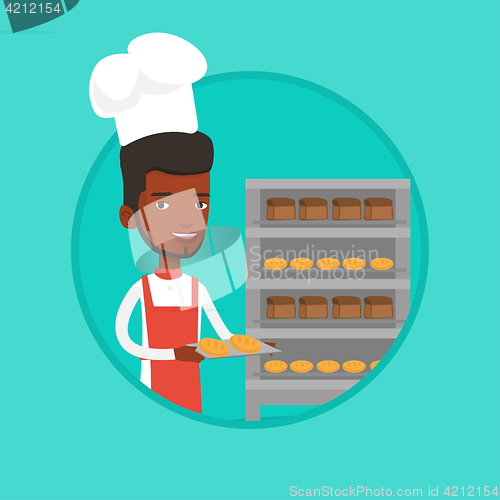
(188, 353)
(272, 344)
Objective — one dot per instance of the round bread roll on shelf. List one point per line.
(275, 366)
(354, 264)
(214, 347)
(246, 344)
(301, 264)
(374, 364)
(353, 366)
(381, 264)
(328, 264)
(328, 366)
(275, 263)
(301, 366)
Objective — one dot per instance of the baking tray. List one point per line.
(234, 353)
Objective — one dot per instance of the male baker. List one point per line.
(165, 163)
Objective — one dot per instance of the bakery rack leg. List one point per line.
(252, 407)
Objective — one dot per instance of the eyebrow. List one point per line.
(161, 194)
(201, 194)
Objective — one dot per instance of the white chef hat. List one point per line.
(149, 90)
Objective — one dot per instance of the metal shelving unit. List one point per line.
(328, 338)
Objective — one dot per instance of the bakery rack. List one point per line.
(317, 339)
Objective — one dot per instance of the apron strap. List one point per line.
(148, 301)
(194, 288)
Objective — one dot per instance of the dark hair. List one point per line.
(170, 152)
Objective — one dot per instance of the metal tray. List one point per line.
(234, 353)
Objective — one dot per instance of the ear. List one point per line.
(127, 217)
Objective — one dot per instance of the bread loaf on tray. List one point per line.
(346, 209)
(280, 307)
(378, 307)
(346, 307)
(313, 307)
(313, 209)
(280, 209)
(378, 209)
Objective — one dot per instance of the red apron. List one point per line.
(168, 328)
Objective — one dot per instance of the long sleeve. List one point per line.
(122, 320)
(213, 315)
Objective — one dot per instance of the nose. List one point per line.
(185, 226)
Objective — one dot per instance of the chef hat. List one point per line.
(149, 90)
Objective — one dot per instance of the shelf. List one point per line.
(328, 232)
(312, 375)
(322, 274)
(328, 184)
(291, 273)
(323, 333)
(329, 223)
(332, 323)
(331, 273)
(327, 284)
(298, 385)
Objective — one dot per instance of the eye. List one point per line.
(201, 205)
(162, 205)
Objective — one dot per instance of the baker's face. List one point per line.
(173, 213)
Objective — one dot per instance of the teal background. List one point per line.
(285, 127)
(73, 427)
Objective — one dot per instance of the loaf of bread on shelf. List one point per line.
(346, 307)
(346, 208)
(378, 307)
(280, 307)
(378, 209)
(280, 209)
(313, 307)
(313, 209)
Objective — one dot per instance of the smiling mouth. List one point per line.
(185, 236)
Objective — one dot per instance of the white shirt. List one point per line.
(175, 292)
